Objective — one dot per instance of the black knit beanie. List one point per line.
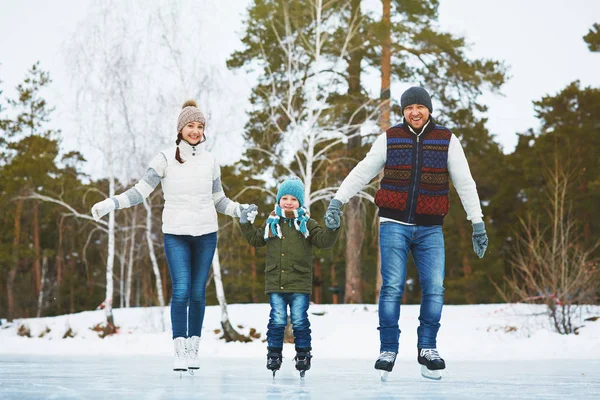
(416, 95)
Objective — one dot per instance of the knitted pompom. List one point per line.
(190, 103)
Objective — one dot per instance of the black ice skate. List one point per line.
(274, 360)
(385, 363)
(431, 364)
(302, 358)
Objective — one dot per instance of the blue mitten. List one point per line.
(480, 239)
(333, 214)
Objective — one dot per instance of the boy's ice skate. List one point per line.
(431, 364)
(180, 363)
(274, 360)
(193, 346)
(385, 363)
(302, 361)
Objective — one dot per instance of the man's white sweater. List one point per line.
(375, 160)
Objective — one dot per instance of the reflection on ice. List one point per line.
(37, 377)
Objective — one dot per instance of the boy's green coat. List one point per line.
(289, 265)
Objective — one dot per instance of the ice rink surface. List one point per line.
(144, 377)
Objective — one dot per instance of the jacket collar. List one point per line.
(428, 127)
(188, 151)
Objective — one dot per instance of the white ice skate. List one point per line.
(193, 346)
(181, 359)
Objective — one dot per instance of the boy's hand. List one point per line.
(102, 208)
(333, 214)
(248, 214)
(480, 239)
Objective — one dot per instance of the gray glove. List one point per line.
(480, 239)
(248, 214)
(333, 214)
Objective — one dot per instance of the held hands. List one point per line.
(333, 214)
(102, 208)
(248, 214)
(480, 239)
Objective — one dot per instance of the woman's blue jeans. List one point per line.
(426, 243)
(189, 259)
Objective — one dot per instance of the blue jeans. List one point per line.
(189, 259)
(427, 246)
(298, 303)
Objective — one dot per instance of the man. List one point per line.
(417, 157)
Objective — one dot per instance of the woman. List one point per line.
(191, 182)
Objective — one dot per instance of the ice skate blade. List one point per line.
(435, 375)
(383, 375)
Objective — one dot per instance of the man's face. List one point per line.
(416, 115)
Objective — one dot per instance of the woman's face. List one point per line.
(193, 132)
(289, 202)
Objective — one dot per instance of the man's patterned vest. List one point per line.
(415, 185)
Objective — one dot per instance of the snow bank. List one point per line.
(471, 332)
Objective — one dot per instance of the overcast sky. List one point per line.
(540, 41)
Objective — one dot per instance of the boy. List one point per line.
(289, 234)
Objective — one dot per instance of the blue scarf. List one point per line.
(298, 217)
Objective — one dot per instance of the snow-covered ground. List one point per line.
(492, 351)
(472, 332)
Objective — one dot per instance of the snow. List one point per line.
(494, 351)
(468, 333)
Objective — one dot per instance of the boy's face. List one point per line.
(289, 202)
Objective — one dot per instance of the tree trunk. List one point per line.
(60, 257)
(229, 332)
(155, 269)
(130, 260)
(110, 259)
(465, 242)
(12, 271)
(334, 296)
(318, 282)
(352, 292)
(42, 281)
(36, 247)
(384, 119)
(353, 221)
(72, 285)
(122, 266)
(254, 274)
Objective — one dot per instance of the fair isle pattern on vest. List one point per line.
(415, 185)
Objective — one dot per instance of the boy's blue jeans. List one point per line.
(427, 246)
(189, 259)
(298, 303)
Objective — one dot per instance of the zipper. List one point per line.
(414, 186)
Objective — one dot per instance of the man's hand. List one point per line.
(480, 239)
(333, 214)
